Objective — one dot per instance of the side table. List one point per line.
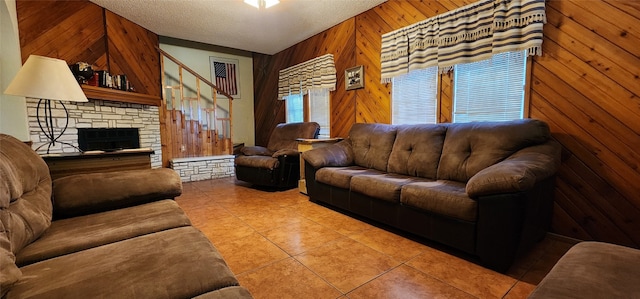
(309, 144)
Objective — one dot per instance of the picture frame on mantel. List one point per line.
(354, 77)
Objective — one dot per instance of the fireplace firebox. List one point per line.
(108, 139)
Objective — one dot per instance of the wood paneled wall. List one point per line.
(82, 31)
(586, 86)
(339, 41)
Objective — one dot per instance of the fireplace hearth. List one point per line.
(108, 139)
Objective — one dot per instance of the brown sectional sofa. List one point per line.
(107, 235)
(485, 188)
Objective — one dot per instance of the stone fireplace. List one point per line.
(99, 114)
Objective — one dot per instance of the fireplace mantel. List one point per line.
(108, 94)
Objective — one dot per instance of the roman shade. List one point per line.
(468, 34)
(317, 73)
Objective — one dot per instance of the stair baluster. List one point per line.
(191, 126)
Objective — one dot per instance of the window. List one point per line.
(294, 108)
(314, 107)
(414, 97)
(490, 90)
(319, 110)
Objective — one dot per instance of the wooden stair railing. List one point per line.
(192, 125)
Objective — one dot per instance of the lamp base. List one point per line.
(48, 128)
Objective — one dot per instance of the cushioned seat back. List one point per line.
(25, 193)
(417, 149)
(372, 144)
(284, 135)
(471, 147)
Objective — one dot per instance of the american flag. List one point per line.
(225, 74)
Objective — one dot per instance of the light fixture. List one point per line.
(262, 3)
(47, 79)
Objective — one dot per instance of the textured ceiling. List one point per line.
(234, 24)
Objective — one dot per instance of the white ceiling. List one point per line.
(234, 24)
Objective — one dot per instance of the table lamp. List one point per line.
(47, 79)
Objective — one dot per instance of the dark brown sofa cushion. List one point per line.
(372, 144)
(440, 197)
(83, 232)
(417, 149)
(471, 147)
(176, 263)
(341, 176)
(385, 186)
(83, 194)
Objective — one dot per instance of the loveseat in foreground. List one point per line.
(485, 188)
(104, 235)
(593, 270)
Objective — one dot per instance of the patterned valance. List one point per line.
(316, 73)
(468, 34)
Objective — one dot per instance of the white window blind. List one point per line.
(319, 110)
(490, 90)
(414, 97)
(294, 108)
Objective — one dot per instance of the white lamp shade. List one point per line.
(46, 78)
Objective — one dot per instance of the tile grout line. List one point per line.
(438, 279)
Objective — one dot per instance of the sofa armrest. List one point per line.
(286, 152)
(519, 172)
(338, 154)
(97, 192)
(256, 151)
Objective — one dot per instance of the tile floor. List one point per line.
(281, 245)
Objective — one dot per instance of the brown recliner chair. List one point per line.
(278, 164)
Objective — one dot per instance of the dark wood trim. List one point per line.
(108, 94)
(61, 165)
